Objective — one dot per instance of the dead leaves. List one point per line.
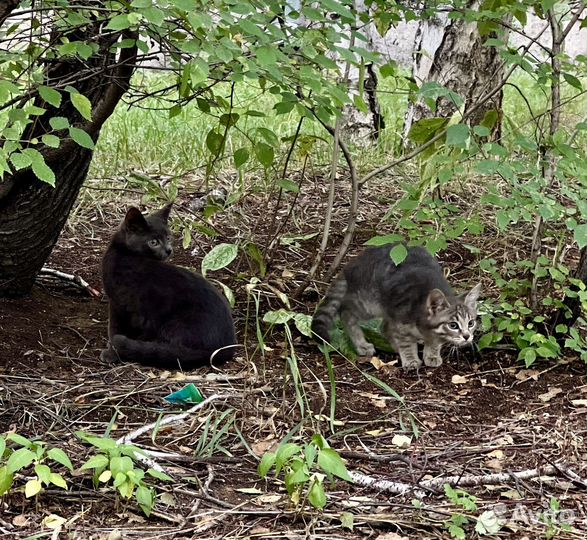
(547, 396)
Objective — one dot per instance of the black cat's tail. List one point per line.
(323, 319)
(166, 355)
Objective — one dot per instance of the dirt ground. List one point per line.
(476, 416)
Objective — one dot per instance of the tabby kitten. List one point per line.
(414, 300)
(160, 314)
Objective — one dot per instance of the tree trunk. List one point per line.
(32, 213)
(451, 53)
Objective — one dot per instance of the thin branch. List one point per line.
(328, 215)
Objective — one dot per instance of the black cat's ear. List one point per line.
(164, 212)
(470, 299)
(134, 220)
(436, 302)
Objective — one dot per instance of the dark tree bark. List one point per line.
(32, 213)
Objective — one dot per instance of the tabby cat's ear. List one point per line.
(164, 212)
(470, 299)
(436, 302)
(134, 220)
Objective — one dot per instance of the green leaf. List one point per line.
(58, 455)
(31, 488)
(241, 156)
(160, 475)
(281, 316)
(214, 142)
(228, 293)
(423, 130)
(389, 69)
(103, 443)
(58, 480)
(265, 154)
(154, 15)
(50, 95)
(457, 135)
(487, 523)
(347, 520)
(51, 140)
(456, 532)
(580, 235)
(266, 55)
(288, 185)
(219, 257)
(284, 453)
(384, 240)
(20, 440)
(573, 81)
(95, 462)
(398, 254)
(316, 494)
(331, 463)
(6, 478)
(81, 137)
(303, 323)
(122, 464)
(42, 171)
(44, 473)
(82, 104)
(20, 160)
(119, 22)
(146, 499)
(59, 122)
(267, 461)
(2, 447)
(255, 253)
(20, 459)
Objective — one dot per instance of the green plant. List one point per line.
(304, 469)
(117, 462)
(457, 521)
(554, 520)
(35, 454)
(486, 523)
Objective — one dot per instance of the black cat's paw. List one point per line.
(109, 355)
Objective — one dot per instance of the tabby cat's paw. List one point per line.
(433, 361)
(366, 350)
(412, 365)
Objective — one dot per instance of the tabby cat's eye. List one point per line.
(471, 324)
(154, 242)
(453, 326)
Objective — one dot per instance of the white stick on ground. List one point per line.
(172, 419)
(73, 278)
(399, 488)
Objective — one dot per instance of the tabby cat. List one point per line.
(160, 314)
(414, 300)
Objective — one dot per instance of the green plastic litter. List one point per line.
(188, 394)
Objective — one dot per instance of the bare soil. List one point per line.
(475, 415)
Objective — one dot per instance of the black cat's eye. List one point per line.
(154, 242)
(453, 326)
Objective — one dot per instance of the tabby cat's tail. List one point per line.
(323, 319)
(166, 355)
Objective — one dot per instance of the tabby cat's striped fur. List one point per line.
(414, 300)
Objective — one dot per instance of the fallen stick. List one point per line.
(72, 278)
(172, 419)
(399, 488)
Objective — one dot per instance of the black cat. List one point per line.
(160, 314)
